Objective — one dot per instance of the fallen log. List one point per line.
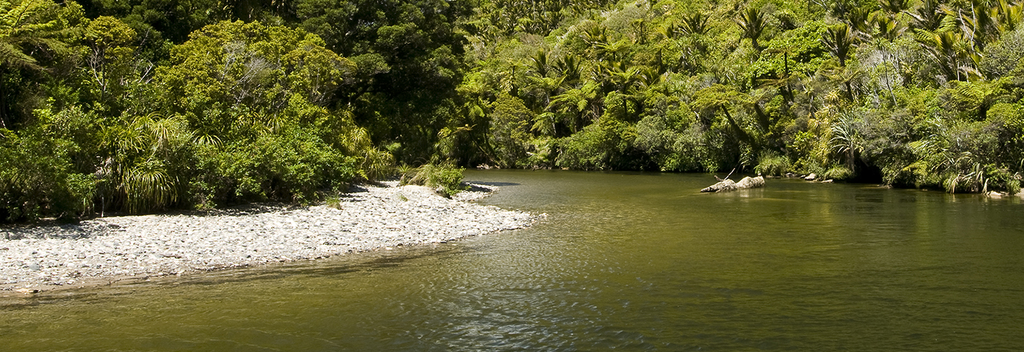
(727, 185)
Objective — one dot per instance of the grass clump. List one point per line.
(839, 172)
(772, 164)
(333, 202)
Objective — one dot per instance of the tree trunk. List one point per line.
(728, 185)
(739, 130)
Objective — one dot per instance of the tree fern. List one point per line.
(24, 26)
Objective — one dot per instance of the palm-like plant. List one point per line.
(894, 6)
(979, 23)
(859, 20)
(671, 30)
(147, 186)
(577, 106)
(949, 51)
(839, 42)
(753, 22)
(613, 51)
(927, 17)
(540, 63)
(570, 67)
(846, 76)
(696, 23)
(886, 27)
(543, 88)
(1009, 16)
(144, 153)
(595, 35)
(846, 140)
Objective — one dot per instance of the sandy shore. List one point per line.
(36, 258)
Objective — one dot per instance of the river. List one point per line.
(630, 261)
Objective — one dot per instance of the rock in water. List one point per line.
(750, 182)
(730, 185)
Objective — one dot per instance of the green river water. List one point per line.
(628, 261)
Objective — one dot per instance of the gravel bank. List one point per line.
(101, 250)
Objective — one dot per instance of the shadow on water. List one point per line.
(495, 183)
(326, 267)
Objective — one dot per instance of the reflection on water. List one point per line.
(626, 261)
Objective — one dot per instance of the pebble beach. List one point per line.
(99, 251)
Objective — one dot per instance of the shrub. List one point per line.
(586, 150)
(289, 166)
(38, 180)
(447, 179)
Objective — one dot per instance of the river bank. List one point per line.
(103, 250)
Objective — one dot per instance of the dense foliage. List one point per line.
(238, 111)
(907, 93)
(145, 105)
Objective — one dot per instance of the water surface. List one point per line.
(629, 261)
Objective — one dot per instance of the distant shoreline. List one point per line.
(100, 251)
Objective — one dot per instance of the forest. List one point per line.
(137, 106)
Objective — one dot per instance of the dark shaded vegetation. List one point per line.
(146, 105)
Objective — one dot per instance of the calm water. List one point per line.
(624, 261)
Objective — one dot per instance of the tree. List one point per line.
(408, 56)
(261, 93)
(978, 23)
(31, 30)
(167, 19)
(1004, 55)
(28, 25)
(509, 126)
(839, 41)
(233, 69)
(928, 17)
(948, 50)
(119, 75)
(717, 98)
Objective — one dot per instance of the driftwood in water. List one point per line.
(727, 185)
